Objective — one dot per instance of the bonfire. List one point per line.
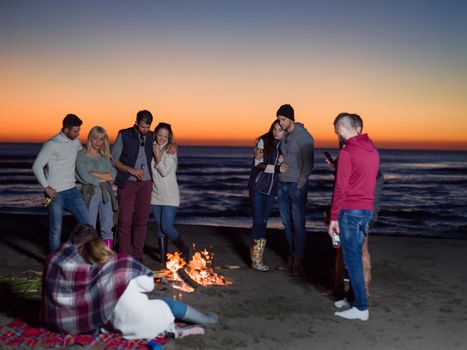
(186, 277)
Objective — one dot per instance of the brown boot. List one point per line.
(287, 266)
(163, 248)
(289, 262)
(297, 266)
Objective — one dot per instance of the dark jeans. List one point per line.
(353, 226)
(71, 201)
(292, 205)
(262, 207)
(134, 203)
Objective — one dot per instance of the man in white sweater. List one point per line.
(54, 168)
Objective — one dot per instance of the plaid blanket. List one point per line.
(79, 298)
(18, 334)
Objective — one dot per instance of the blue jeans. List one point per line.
(71, 201)
(292, 205)
(353, 226)
(164, 215)
(106, 217)
(177, 307)
(262, 207)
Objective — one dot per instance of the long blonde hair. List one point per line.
(104, 151)
(91, 248)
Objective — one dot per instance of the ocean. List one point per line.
(425, 192)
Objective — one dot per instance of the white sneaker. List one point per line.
(342, 303)
(353, 314)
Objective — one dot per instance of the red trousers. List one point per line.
(134, 205)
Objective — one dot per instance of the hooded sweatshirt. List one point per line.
(298, 150)
(357, 168)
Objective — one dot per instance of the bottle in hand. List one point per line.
(142, 168)
(336, 241)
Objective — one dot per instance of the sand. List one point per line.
(417, 293)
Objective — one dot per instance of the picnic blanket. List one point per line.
(20, 334)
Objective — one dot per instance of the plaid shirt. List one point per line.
(80, 298)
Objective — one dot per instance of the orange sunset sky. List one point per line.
(218, 71)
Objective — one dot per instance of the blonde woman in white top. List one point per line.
(165, 198)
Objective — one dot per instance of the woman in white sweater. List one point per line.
(165, 198)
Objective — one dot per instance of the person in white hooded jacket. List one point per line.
(54, 168)
(88, 288)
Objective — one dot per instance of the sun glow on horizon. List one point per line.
(218, 72)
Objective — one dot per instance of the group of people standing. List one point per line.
(86, 286)
(142, 165)
(283, 161)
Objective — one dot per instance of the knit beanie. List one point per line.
(286, 111)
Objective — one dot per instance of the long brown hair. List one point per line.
(91, 248)
(167, 127)
(268, 139)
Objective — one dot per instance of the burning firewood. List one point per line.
(187, 277)
(200, 270)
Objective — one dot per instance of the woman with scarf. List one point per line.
(87, 288)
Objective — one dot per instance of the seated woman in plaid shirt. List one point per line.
(86, 287)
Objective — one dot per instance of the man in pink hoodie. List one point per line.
(352, 205)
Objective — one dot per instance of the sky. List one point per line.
(218, 70)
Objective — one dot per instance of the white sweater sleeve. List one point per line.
(167, 164)
(270, 167)
(260, 144)
(39, 163)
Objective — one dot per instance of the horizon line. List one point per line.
(395, 147)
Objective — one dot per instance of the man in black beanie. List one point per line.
(297, 147)
(286, 111)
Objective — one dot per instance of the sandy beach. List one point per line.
(417, 293)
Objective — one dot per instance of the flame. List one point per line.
(199, 269)
(174, 263)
